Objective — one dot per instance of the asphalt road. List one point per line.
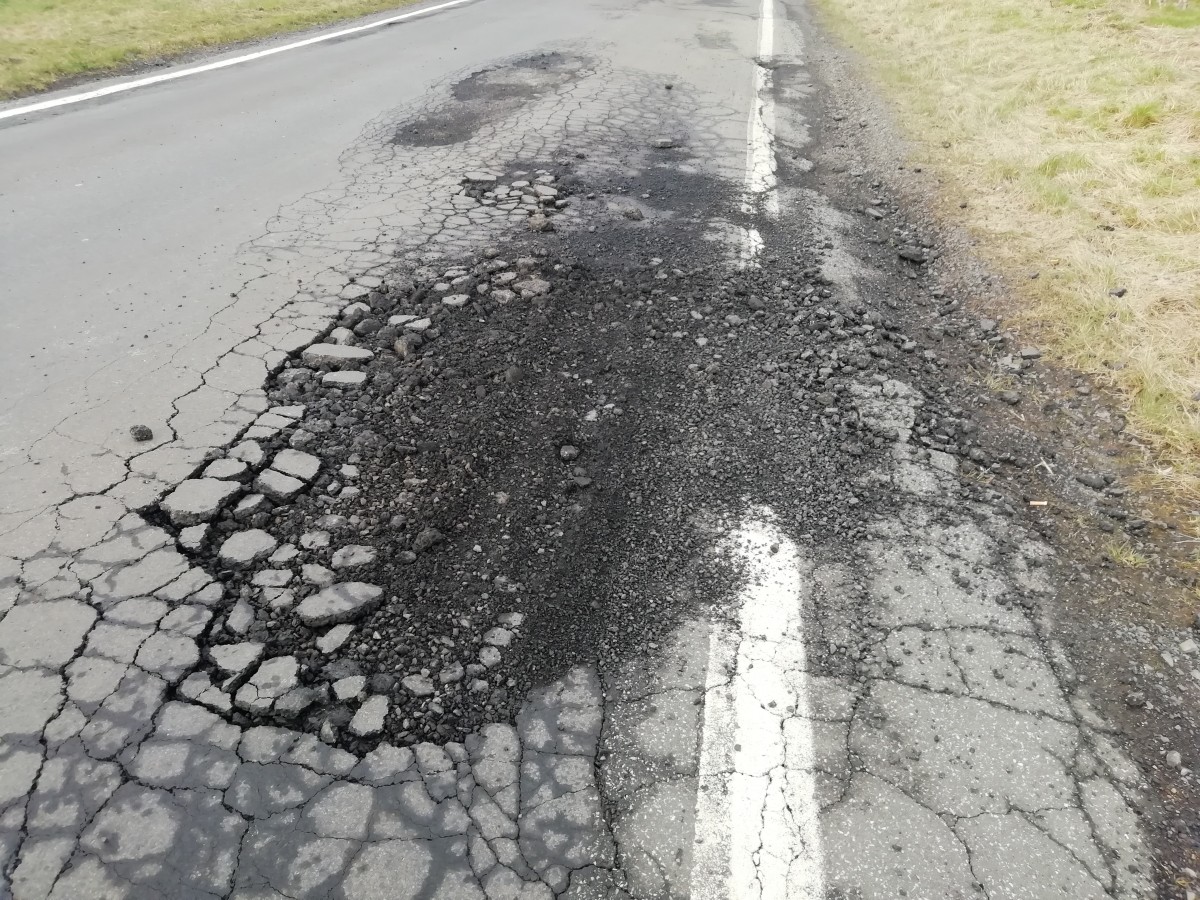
(662, 589)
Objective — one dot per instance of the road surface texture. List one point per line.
(524, 453)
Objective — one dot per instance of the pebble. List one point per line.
(339, 603)
(418, 685)
(249, 452)
(197, 500)
(240, 618)
(349, 688)
(354, 555)
(300, 465)
(368, 721)
(279, 487)
(243, 548)
(344, 379)
(141, 433)
(317, 575)
(232, 660)
(334, 638)
(314, 540)
(1174, 759)
(498, 637)
(490, 657)
(193, 537)
(335, 356)
(426, 539)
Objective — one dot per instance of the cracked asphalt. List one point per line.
(549, 493)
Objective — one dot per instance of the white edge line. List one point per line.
(220, 64)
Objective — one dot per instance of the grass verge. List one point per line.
(44, 41)
(1071, 128)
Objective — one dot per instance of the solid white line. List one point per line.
(757, 828)
(760, 139)
(220, 64)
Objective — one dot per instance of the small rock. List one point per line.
(243, 548)
(316, 575)
(249, 506)
(279, 487)
(344, 379)
(295, 701)
(426, 539)
(349, 688)
(662, 143)
(354, 555)
(283, 555)
(141, 433)
(451, 673)
(1031, 353)
(539, 222)
(233, 660)
(1188, 646)
(271, 578)
(197, 500)
(314, 540)
(300, 465)
(1174, 759)
(225, 469)
(333, 639)
(511, 619)
(568, 452)
(249, 452)
(418, 685)
(193, 537)
(913, 254)
(339, 603)
(1136, 699)
(532, 287)
(489, 656)
(498, 637)
(240, 618)
(335, 356)
(273, 680)
(368, 721)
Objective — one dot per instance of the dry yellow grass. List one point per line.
(1072, 127)
(43, 41)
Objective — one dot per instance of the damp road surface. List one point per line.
(502, 454)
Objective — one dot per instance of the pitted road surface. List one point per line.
(550, 492)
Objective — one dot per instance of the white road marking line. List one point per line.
(757, 827)
(751, 246)
(220, 64)
(760, 139)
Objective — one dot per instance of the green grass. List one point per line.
(1072, 128)
(45, 41)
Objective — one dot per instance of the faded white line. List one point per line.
(220, 64)
(761, 195)
(757, 828)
